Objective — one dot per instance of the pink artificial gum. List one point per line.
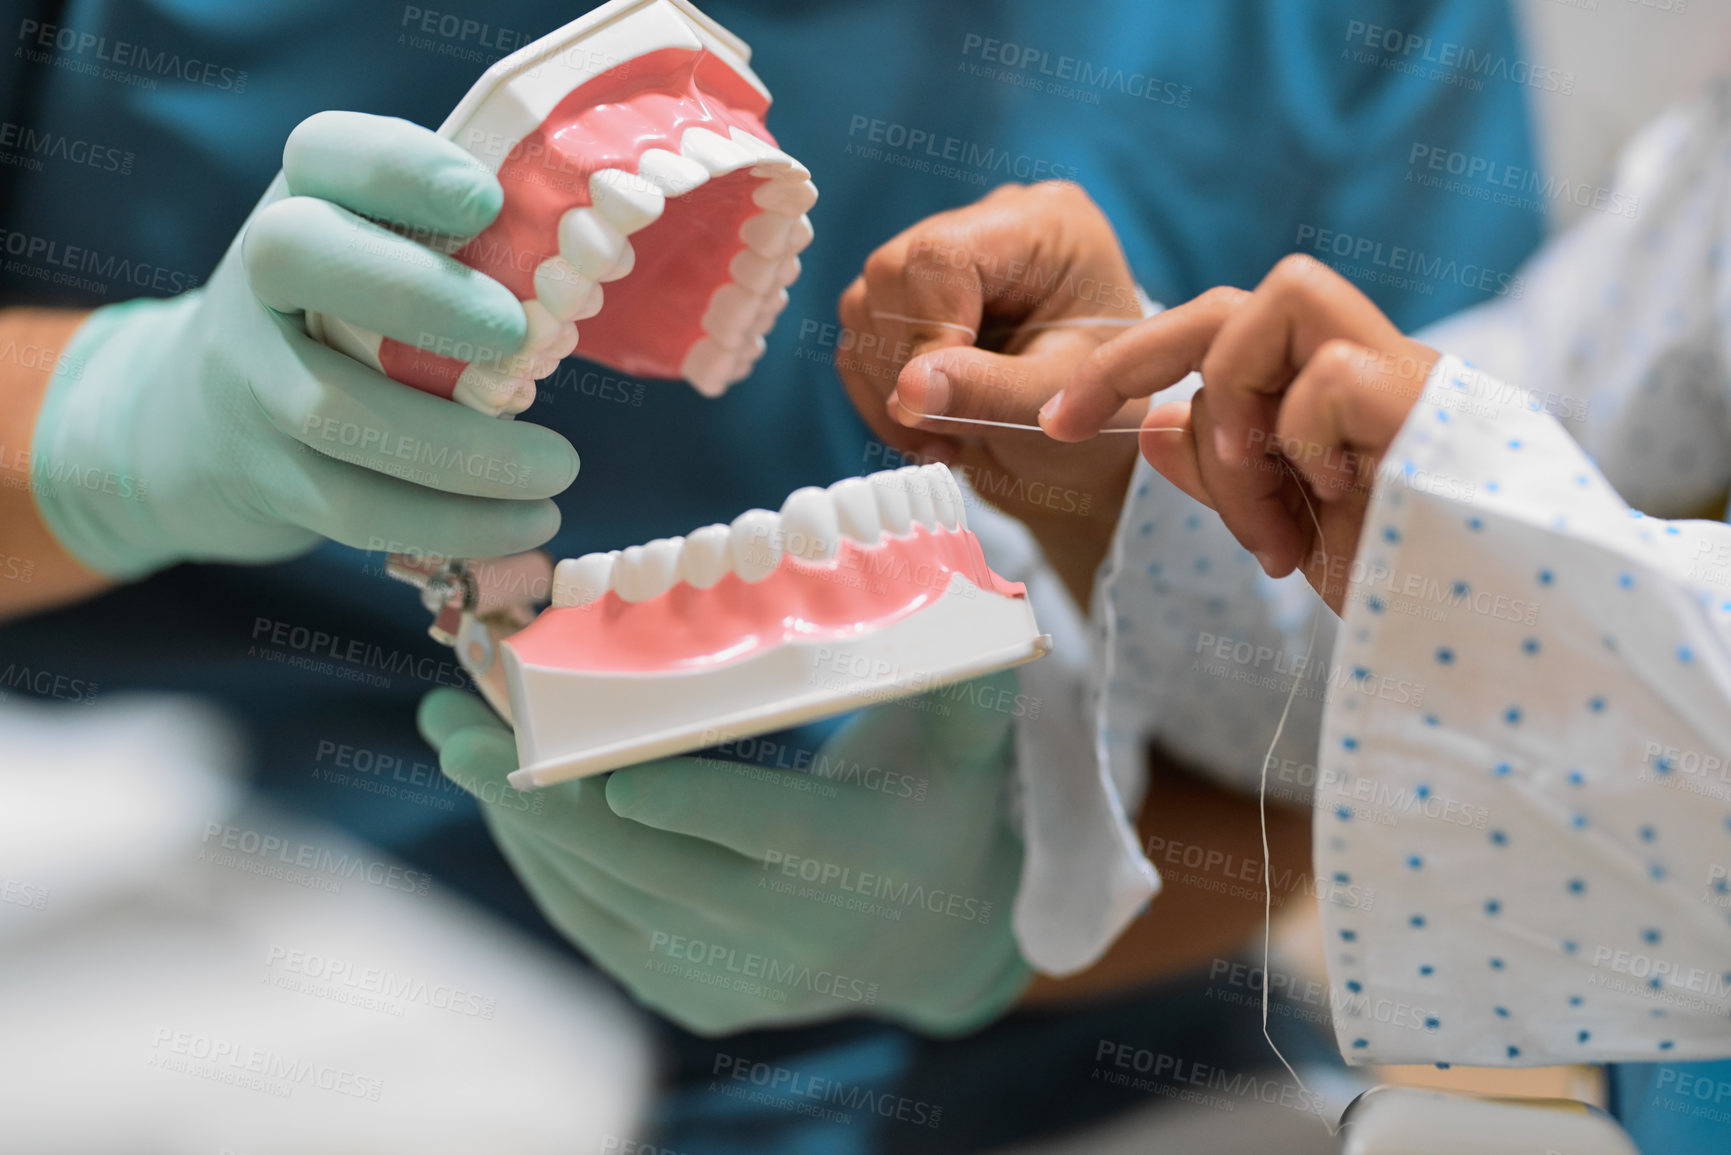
(862, 589)
(650, 319)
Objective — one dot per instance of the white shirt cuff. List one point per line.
(1525, 872)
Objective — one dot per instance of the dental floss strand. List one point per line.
(1279, 729)
(1291, 694)
(1262, 815)
(1035, 428)
(1061, 323)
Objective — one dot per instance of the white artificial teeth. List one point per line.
(776, 235)
(961, 501)
(588, 243)
(561, 348)
(788, 197)
(893, 505)
(755, 272)
(622, 267)
(731, 309)
(774, 163)
(625, 200)
(753, 540)
(673, 174)
(740, 369)
(946, 496)
(705, 559)
(543, 327)
(919, 491)
(492, 392)
(647, 571)
(717, 154)
(550, 340)
(767, 234)
(781, 167)
(742, 357)
(577, 581)
(759, 149)
(707, 365)
(769, 308)
(809, 527)
(787, 272)
(566, 293)
(856, 509)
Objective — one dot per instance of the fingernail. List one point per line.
(898, 412)
(1266, 561)
(1223, 445)
(1050, 409)
(621, 793)
(937, 392)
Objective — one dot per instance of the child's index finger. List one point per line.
(1146, 358)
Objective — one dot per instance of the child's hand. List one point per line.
(1302, 379)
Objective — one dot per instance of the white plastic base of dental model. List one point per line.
(571, 724)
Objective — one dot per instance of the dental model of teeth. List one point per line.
(595, 249)
(866, 591)
(643, 197)
(810, 526)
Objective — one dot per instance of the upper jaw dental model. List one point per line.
(643, 197)
(870, 590)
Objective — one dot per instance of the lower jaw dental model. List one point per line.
(870, 590)
(643, 197)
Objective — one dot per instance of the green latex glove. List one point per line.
(728, 896)
(209, 426)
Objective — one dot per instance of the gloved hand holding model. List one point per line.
(237, 437)
(729, 896)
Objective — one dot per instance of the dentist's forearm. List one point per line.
(36, 572)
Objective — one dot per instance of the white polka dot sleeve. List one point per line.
(1546, 829)
(1621, 327)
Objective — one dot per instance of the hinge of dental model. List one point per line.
(451, 592)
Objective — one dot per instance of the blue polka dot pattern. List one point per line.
(1532, 545)
(1503, 817)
